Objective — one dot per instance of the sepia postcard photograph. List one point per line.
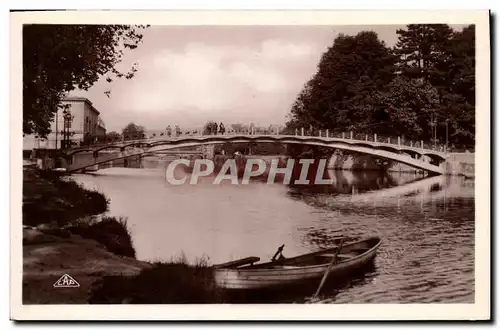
(250, 165)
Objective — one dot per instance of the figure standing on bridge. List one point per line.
(222, 129)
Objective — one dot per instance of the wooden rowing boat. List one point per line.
(245, 274)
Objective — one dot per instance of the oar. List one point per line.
(323, 280)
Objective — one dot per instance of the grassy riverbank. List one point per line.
(64, 233)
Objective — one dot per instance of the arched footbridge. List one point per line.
(420, 158)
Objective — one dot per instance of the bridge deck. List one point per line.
(380, 149)
(158, 140)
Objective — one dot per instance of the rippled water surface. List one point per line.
(427, 226)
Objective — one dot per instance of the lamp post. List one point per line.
(57, 128)
(435, 131)
(67, 124)
(433, 127)
(446, 151)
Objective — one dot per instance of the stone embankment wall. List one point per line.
(460, 164)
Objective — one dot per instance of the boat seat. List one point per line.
(348, 255)
(328, 255)
(239, 262)
(340, 255)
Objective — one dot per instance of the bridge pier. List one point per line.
(302, 131)
(208, 151)
(63, 162)
(327, 135)
(375, 137)
(351, 135)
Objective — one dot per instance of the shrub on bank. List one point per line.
(164, 283)
(50, 197)
(59, 206)
(111, 232)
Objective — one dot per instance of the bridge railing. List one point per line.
(347, 135)
(373, 137)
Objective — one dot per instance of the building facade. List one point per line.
(100, 130)
(78, 123)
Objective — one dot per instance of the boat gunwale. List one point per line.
(299, 268)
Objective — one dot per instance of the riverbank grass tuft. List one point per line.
(164, 283)
(111, 232)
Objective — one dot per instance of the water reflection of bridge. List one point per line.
(424, 190)
(372, 189)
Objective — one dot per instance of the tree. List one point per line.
(113, 136)
(133, 132)
(456, 84)
(362, 85)
(406, 108)
(237, 128)
(444, 58)
(344, 93)
(420, 47)
(60, 58)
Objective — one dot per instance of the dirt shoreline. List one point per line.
(47, 257)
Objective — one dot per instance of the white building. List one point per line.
(84, 121)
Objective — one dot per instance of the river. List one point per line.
(427, 226)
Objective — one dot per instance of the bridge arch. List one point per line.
(434, 155)
(311, 141)
(136, 144)
(71, 154)
(434, 159)
(389, 148)
(108, 147)
(413, 153)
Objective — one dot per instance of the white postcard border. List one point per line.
(478, 310)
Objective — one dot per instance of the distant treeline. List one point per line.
(423, 88)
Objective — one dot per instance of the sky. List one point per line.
(188, 75)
